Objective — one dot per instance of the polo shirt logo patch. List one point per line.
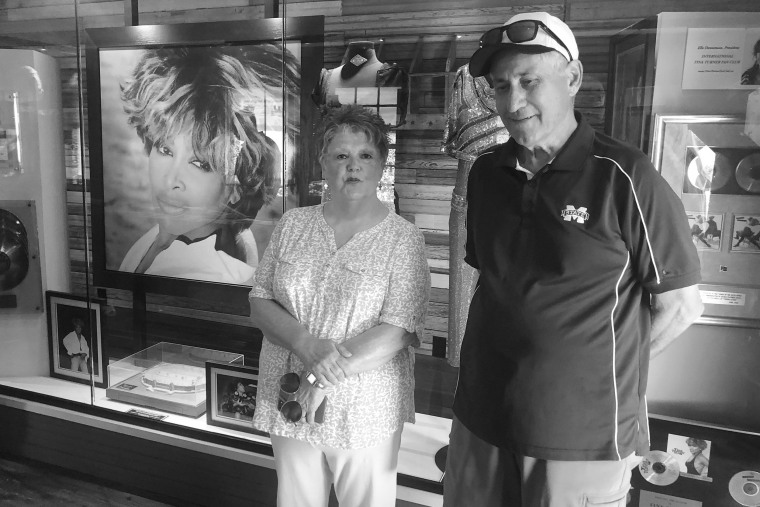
(580, 215)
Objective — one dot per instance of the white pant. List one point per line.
(79, 363)
(362, 477)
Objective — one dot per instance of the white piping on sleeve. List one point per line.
(641, 215)
(614, 352)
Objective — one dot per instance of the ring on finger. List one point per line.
(312, 379)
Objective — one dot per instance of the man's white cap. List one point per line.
(480, 62)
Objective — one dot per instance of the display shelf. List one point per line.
(419, 477)
(166, 376)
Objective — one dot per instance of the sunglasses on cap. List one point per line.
(518, 32)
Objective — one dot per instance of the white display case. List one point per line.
(166, 376)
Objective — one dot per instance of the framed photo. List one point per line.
(630, 84)
(712, 165)
(746, 234)
(199, 138)
(692, 455)
(706, 230)
(231, 396)
(75, 340)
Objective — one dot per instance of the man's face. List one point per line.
(534, 94)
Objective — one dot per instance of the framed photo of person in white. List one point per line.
(75, 339)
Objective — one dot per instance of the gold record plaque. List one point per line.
(14, 253)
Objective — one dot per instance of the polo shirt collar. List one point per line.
(570, 157)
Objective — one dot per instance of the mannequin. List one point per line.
(361, 70)
(473, 127)
(358, 68)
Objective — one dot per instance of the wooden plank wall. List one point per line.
(431, 39)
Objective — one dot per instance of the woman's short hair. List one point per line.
(696, 442)
(214, 92)
(354, 118)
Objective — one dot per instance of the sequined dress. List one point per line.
(473, 127)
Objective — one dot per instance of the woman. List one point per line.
(210, 168)
(340, 296)
(697, 462)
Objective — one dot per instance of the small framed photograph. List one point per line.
(692, 455)
(231, 396)
(745, 237)
(75, 342)
(706, 229)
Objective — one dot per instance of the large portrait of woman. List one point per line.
(194, 145)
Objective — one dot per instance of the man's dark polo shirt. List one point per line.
(555, 355)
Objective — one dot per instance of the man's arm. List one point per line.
(672, 313)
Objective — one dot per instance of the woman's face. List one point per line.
(352, 166)
(188, 194)
(694, 449)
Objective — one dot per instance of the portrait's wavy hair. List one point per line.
(213, 93)
(696, 442)
(355, 118)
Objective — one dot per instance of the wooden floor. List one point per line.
(28, 483)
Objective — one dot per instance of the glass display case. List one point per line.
(166, 376)
(630, 84)
(75, 170)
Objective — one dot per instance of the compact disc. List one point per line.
(748, 173)
(745, 488)
(659, 468)
(14, 255)
(709, 170)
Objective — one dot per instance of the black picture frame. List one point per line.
(223, 407)
(630, 84)
(307, 33)
(62, 309)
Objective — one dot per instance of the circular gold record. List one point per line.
(14, 256)
(659, 468)
(709, 170)
(748, 173)
(745, 488)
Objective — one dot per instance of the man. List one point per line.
(76, 346)
(586, 267)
